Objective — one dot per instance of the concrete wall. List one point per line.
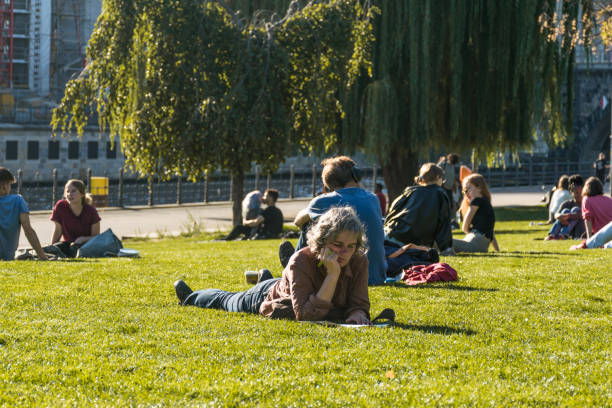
(41, 169)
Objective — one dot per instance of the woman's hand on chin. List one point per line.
(330, 260)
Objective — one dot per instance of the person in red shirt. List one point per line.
(381, 197)
(76, 220)
(596, 207)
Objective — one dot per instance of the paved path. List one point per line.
(218, 216)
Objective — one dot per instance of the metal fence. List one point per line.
(297, 182)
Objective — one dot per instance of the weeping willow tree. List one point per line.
(191, 85)
(455, 75)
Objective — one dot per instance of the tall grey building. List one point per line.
(42, 44)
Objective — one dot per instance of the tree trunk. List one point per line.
(237, 195)
(399, 171)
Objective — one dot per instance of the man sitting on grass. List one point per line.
(341, 176)
(270, 221)
(569, 215)
(14, 214)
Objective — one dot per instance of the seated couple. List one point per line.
(258, 223)
(326, 280)
(568, 214)
(73, 216)
(420, 215)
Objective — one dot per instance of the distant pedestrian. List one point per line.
(382, 198)
(600, 165)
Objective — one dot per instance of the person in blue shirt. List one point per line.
(14, 215)
(341, 177)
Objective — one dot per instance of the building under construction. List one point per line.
(42, 45)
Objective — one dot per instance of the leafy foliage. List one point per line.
(461, 75)
(191, 85)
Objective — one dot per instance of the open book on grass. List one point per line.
(328, 323)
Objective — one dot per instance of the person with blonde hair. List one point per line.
(420, 215)
(341, 178)
(478, 217)
(75, 219)
(326, 280)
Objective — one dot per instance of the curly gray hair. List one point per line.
(332, 223)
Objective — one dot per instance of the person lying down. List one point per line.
(326, 280)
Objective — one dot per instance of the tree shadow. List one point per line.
(448, 286)
(434, 329)
(518, 254)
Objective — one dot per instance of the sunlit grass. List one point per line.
(528, 326)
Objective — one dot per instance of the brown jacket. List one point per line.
(295, 294)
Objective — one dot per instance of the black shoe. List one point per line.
(264, 275)
(285, 250)
(182, 291)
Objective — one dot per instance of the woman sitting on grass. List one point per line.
(560, 195)
(328, 279)
(597, 214)
(478, 217)
(75, 219)
(420, 215)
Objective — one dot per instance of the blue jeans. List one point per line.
(560, 229)
(603, 235)
(247, 301)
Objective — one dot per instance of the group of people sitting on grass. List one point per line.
(327, 275)
(580, 210)
(75, 220)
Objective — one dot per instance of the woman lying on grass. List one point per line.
(328, 279)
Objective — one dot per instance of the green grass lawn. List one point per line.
(529, 326)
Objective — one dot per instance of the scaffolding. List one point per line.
(67, 52)
(7, 23)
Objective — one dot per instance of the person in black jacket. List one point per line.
(421, 214)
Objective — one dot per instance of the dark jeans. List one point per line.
(303, 240)
(63, 249)
(247, 301)
(239, 230)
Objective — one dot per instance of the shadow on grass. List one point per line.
(519, 254)
(449, 286)
(434, 329)
(518, 231)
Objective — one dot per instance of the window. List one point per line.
(92, 150)
(73, 150)
(54, 147)
(33, 150)
(111, 152)
(11, 150)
